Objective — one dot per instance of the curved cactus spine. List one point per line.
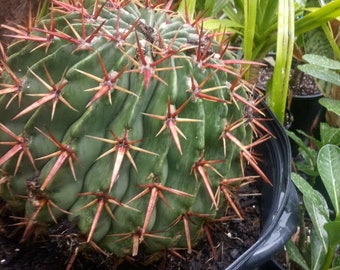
(130, 121)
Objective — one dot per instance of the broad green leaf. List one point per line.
(311, 138)
(317, 252)
(322, 61)
(332, 105)
(295, 255)
(315, 42)
(328, 162)
(316, 207)
(329, 134)
(302, 146)
(336, 262)
(307, 169)
(332, 229)
(320, 73)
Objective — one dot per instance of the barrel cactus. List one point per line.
(127, 119)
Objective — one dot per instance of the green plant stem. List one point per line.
(329, 257)
(331, 40)
(284, 53)
(266, 39)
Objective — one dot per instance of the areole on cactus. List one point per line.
(127, 119)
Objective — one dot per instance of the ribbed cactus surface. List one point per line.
(128, 120)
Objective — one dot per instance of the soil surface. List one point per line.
(15, 12)
(300, 84)
(53, 251)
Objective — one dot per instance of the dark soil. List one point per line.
(15, 12)
(300, 84)
(230, 239)
(303, 111)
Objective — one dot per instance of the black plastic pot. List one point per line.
(307, 114)
(279, 203)
(305, 110)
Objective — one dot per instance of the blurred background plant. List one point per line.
(316, 245)
(261, 26)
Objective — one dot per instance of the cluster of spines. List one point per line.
(45, 35)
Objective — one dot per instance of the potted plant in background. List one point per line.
(256, 22)
(258, 25)
(315, 245)
(319, 186)
(321, 41)
(92, 125)
(318, 163)
(321, 250)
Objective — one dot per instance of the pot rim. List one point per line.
(282, 216)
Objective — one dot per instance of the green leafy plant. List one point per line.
(324, 237)
(324, 70)
(320, 251)
(127, 120)
(318, 163)
(265, 26)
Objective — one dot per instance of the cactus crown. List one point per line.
(127, 118)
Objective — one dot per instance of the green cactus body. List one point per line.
(113, 95)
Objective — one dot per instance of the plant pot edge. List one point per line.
(282, 217)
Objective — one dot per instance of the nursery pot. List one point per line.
(279, 202)
(307, 114)
(305, 110)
